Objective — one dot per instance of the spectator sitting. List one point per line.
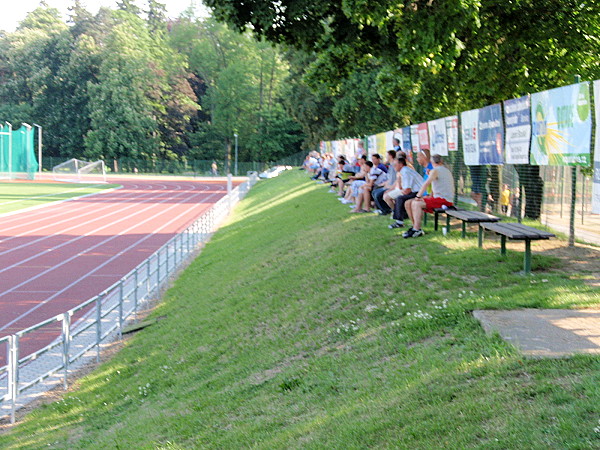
(356, 181)
(409, 182)
(375, 180)
(378, 193)
(442, 184)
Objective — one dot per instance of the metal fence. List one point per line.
(76, 336)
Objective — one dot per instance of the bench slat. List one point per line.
(472, 216)
(517, 231)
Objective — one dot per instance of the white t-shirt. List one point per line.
(411, 179)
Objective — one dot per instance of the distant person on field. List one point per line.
(505, 199)
(214, 168)
(442, 185)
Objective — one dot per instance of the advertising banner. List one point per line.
(381, 140)
(561, 126)
(491, 135)
(452, 133)
(405, 143)
(469, 121)
(389, 141)
(414, 138)
(517, 117)
(437, 137)
(423, 136)
(371, 145)
(596, 174)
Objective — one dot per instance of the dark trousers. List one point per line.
(377, 195)
(399, 209)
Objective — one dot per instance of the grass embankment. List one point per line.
(301, 325)
(21, 195)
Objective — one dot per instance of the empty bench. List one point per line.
(517, 231)
(471, 217)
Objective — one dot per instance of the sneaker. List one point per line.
(408, 233)
(345, 202)
(377, 211)
(331, 191)
(417, 233)
(395, 225)
(383, 213)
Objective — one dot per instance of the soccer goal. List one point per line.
(78, 171)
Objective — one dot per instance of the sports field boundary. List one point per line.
(58, 202)
(23, 379)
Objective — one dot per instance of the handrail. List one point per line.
(113, 308)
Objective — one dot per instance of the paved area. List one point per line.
(546, 333)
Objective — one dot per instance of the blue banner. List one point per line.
(491, 135)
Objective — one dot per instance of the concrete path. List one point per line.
(546, 333)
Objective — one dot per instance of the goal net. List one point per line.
(78, 171)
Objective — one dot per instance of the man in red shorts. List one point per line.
(442, 185)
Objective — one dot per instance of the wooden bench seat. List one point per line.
(517, 231)
(472, 217)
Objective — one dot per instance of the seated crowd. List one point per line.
(392, 187)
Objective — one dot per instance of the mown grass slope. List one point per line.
(301, 325)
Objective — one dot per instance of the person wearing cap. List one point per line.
(442, 184)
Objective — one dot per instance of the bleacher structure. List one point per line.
(78, 171)
(17, 152)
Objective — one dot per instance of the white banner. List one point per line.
(414, 138)
(469, 121)
(438, 140)
(518, 130)
(596, 175)
(452, 133)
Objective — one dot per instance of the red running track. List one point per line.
(56, 257)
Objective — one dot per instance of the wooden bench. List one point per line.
(517, 231)
(471, 217)
(436, 213)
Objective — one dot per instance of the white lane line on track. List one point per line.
(98, 267)
(90, 233)
(153, 195)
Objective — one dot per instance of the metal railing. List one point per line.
(77, 335)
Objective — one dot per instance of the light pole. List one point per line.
(39, 127)
(236, 154)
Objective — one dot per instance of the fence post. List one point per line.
(147, 278)
(66, 337)
(167, 262)
(135, 291)
(573, 195)
(158, 269)
(13, 373)
(98, 326)
(121, 299)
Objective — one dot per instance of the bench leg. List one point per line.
(424, 219)
(448, 223)
(480, 236)
(464, 229)
(527, 264)
(503, 245)
(435, 220)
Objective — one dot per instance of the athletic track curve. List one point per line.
(56, 257)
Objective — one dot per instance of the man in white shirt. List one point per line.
(442, 184)
(409, 183)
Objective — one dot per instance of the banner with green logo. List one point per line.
(562, 126)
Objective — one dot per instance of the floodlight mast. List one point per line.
(39, 127)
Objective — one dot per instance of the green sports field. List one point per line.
(16, 196)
